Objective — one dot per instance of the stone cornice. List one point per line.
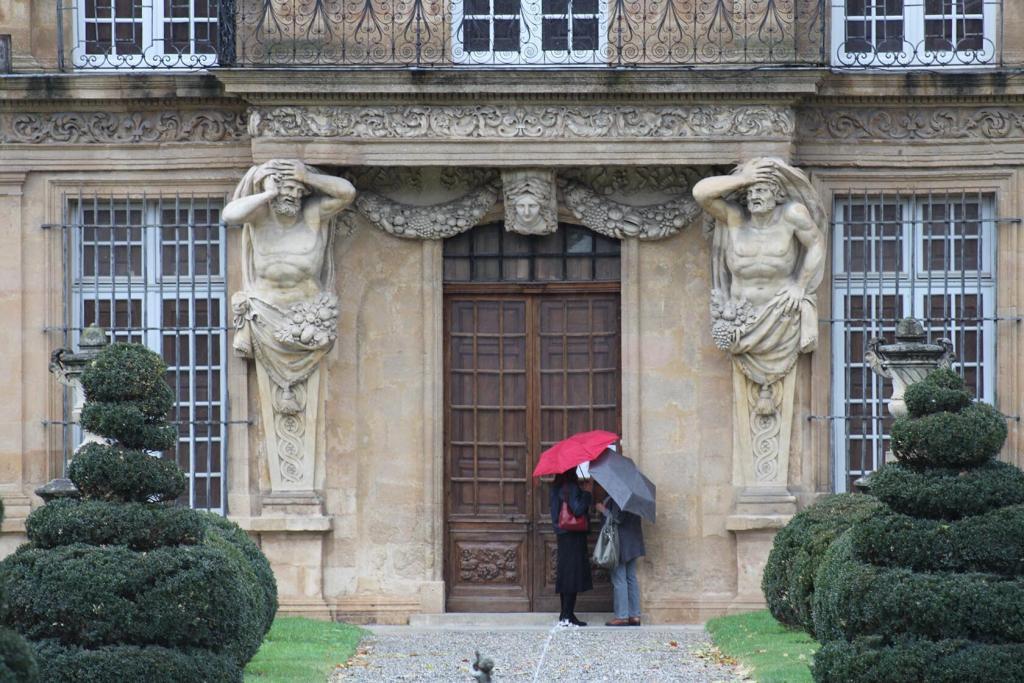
(506, 122)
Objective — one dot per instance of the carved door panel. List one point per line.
(523, 370)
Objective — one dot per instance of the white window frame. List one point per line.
(914, 52)
(913, 303)
(531, 52)
(154, 54)
(152, 289)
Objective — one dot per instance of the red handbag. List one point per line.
(570, 522)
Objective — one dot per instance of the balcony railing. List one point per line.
(148, 34)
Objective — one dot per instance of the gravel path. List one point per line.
(677, 653)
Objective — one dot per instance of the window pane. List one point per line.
(584, 34)
(476, 35)
(506, 35)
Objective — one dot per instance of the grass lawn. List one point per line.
(772, 652)
(301, 650)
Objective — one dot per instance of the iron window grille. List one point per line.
(529, 32)
(908, 33)
(930, 256)
(152, 271)
(488, 253)
(144, 34)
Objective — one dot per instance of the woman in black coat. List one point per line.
(572, 574)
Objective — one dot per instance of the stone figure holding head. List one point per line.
(768, 258)
(286, 312)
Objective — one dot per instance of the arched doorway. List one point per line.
(532, 355)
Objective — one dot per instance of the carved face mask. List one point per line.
(761, 198)
(528, 211)
(289, 198)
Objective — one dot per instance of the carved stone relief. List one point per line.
(123, 127)
(437, 221)
(768, 258)
(531, 207)
(908, 123)
(448, 122)
(286, 313)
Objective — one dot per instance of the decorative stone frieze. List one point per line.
(122, 127)
(286, 312)
(768, 258)
(531, 207)
(452, 122)
(911, 123)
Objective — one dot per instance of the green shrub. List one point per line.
(128, 425)
(140, 526)
(992, 542)
(856, 599)
(17, 662)
(941, 391)
(798, 549)
(917, 661)
(93, 596)
(222, 532)
(114, 473)
(129, 372)
(62, 663)
(943, 493)
(969, 437)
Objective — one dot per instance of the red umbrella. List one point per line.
(578, 448)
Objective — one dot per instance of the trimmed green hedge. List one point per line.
(119, 474)
(918, 661)
(941, 391)
(91, 596)
(221, 532)
(943, 493)
(140, 526)
(128, 425)
(799, 548)
(61, 663)
(969, 437)
(260, 600)
(129, 372)
(857, 599)
(17, 662)
(993, 542)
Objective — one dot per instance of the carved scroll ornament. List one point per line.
(122, 127)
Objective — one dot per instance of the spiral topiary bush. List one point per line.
(120, 585)
(17, 663)
(932, 587)
(798, 550)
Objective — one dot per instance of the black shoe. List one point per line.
(576, 622)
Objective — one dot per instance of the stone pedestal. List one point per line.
(754, 536)
(294, 545)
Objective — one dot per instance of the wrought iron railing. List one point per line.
(915, 33)
(148, 34)
(110, 34)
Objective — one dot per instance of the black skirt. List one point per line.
(573, 572)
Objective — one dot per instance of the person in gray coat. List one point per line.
(626, 589)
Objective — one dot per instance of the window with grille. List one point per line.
(913, 32)
(145, 33)
(929, 256)
(151, 271)
(488, 253)
(529, 32)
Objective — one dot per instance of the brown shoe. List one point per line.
(634, 621)
(617, 622)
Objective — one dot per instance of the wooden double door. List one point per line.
(525, 367)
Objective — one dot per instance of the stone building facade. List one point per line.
(523, 259)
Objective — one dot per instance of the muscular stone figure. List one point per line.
(768, 260)
(286, 313)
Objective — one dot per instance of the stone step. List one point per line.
(512, 620)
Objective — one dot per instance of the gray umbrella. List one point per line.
(626, 485)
